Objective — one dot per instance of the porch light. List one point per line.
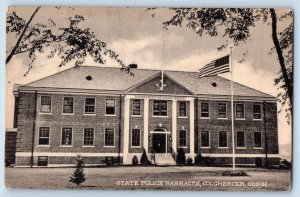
(150, 138)
(170, 138)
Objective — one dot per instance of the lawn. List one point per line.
(151, 178)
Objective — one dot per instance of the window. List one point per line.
(44, 136)
(136, 107)
(88, 137)
(136, 137)
(240, 139)
(42, 161)
(160, 108)
(257, 140)
(45, 104)
(109, 137)
(89, 105)
(182, 109)
(66, 137)
(68, 105)
(110, 107)
(222, 110)
(223, 139)
(204, 138)
(204, 110)
(182, 138)
(239, 110)
(256, 111)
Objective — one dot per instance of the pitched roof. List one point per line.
(112, 79)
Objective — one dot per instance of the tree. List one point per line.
(78, 175)
(235, 24)
(69, 43)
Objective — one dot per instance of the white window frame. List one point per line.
(261, 140)
(63, 100)
(140, 115)
(226, 118)
(105, 138)
(40, 112)
(261, 111)
(202, 117)
(186, 139)
(93, 137)
(204, 147)
(186, 109)
(244, 118)
(223, 147)
(139, 139)
(245, 145)
(44, 145)
(156, 116)
(62, 128)
(90, 114)
(114, 107)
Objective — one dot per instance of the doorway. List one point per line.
(159, 142)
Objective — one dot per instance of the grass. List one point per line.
(150, 178)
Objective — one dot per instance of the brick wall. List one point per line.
(248, 125)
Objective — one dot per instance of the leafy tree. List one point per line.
(69, 43)
(78, 175)
(235, 24)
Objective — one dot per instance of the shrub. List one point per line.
(198, 159)
(234, 173)
(109, 161)
(181, 159)
(135, 160)
(78, 175)
(144, 158)
(189, 161)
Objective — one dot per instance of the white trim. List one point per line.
(261, 140)
(40, 105)
(126, 159)
(146, 124)
(239, 155)
(140, 115)
(226, 118)
(156, 116)
(139, 139)
(208, 109)
(261, 111)
(93, 145)
(223, 147)
(186, 111)
(65, 154)
(63, 104)
(174, 125)
(241, 147)
(114, 107)
(244, 112)
(192, 127)
(74, 154)
(114, 138)
(38, 142)
(205, 147)
(60, 144)
(89, 114)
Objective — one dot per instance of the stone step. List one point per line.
(164, 159)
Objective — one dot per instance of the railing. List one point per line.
(173, 153)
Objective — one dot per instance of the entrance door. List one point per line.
(159, 142)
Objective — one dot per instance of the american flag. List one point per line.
(215, 67)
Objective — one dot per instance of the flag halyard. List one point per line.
(215, 67)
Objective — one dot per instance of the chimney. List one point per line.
(133, 66)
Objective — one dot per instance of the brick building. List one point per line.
(100, 112)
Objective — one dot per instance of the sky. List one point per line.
(139, 38)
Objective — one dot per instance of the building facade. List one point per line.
(102, 112)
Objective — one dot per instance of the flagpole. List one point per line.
(232, 112)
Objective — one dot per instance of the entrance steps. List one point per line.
(162, 159)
